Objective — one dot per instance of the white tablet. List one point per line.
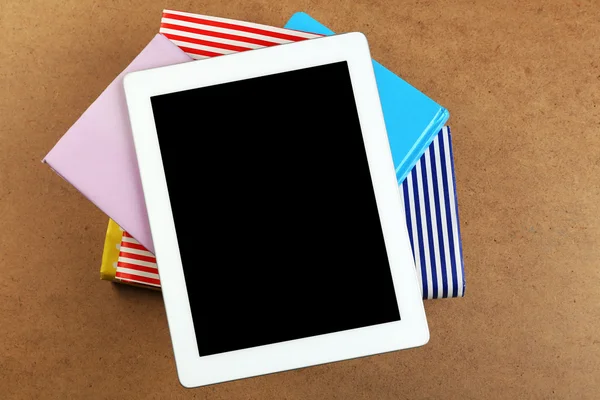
(274, 209)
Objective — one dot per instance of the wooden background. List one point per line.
(522, 82)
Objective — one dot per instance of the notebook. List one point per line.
(411, 118)
(431, 208)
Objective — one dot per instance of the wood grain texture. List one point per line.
(522, 82)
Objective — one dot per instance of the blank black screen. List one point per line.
(274, 209)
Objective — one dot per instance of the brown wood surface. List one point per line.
(522, 82)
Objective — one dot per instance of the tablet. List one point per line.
(274, 210)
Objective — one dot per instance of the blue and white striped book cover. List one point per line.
(431, 209)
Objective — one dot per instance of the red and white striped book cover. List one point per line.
(202, 36)
(199, 36)
(136, 264)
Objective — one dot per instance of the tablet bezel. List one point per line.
(193, 370)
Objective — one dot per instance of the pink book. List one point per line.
(97, 155)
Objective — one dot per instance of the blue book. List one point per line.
(411, 118)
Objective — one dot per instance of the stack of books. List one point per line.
(97, 156)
